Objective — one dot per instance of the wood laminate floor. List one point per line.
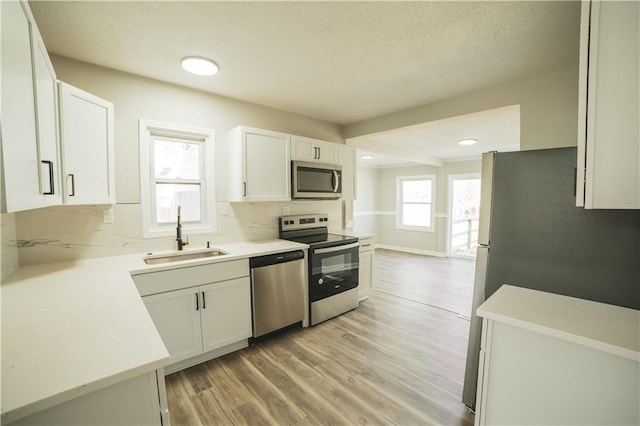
(391, 361)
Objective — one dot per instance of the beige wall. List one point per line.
(548, 105)
(548, 110)
(138, 97)
(72, 232)
(374, 211)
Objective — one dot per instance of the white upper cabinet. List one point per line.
(608, 172)
(347, 159)
(20, 162)
(47, 119)
(307, 149)
(259, 165)
(87, 145)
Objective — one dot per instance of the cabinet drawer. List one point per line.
(366, 244)
(175, 279)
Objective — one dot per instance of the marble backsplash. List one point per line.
(9, 248)
(66, 233)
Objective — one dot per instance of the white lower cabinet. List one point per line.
(548, 359)
(178, 321)
(225, 313)
(199, 319)
(365, 268)
(136, 401)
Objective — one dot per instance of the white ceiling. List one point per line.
(436, 142)
(342, 62)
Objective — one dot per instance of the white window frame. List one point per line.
(399, 203)
(148, 130)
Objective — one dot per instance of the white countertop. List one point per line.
(71, 328)
(608, 328)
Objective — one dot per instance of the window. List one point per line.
(414, 210)
(176, 170)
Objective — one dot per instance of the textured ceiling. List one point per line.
(342, 62)
(338, 61)
(436, 142)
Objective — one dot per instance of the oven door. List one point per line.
(333, 270)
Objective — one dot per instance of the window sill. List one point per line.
(415, 228)
(170, 231)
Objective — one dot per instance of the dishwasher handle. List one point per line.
(274, 259)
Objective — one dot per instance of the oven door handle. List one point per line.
(337, 248)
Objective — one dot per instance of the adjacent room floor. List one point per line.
(397, 359)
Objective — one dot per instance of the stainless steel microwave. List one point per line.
(315, 181)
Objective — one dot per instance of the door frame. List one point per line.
(451, 178)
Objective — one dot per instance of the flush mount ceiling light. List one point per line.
(466, 142)
(198, 65)
(366, 157)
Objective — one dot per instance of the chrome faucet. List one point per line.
(181, 243)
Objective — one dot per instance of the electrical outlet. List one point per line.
(107, 216)
(285, 210)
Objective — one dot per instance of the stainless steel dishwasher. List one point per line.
(277, 291)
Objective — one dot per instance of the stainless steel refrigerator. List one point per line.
(532, 235)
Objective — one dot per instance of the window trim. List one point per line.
(148, 129)
(399, 203)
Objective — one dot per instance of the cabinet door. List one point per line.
(307, 149)
(47, 119)
(87, 147)
(19, 144)
(267, 166)
(226, 313)
(347, 159)
(365, 273)
(176, 315)
(610, 152)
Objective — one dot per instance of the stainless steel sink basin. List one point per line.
(176, 257)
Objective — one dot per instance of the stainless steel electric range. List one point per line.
(332, 265)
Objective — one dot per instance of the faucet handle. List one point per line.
(186, 241)
(208, 244)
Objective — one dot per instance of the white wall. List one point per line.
(366, 205)
(548, 105)
(374, 210)
(72, 232)
(548, 110)
(548, 119)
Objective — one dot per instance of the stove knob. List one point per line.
(320, 281)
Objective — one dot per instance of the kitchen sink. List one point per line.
(177, 257)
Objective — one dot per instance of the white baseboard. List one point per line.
(198, 359)
(412, 250)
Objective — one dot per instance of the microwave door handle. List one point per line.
(337, 248)
(336, 180)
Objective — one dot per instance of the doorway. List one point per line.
(464, 208)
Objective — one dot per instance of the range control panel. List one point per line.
(290, 223)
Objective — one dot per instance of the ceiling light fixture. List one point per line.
(466, 142)
(367, 157)
(198, 65)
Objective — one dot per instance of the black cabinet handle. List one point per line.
(204, 303)
(51, 188)
(73, 185)
(244, 189)
(197, 303)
